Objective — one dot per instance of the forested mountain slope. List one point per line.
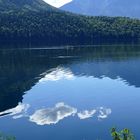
(34, 20)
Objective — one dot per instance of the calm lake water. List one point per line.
(69, 93)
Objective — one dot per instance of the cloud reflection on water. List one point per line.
(104, 112)
(52, 115)
(17, 112)
(101, 113)
(48, 116)
(86, 114)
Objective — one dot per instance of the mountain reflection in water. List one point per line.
(75, 92)
(21, 69)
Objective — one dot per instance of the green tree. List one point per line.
(5, 137)
(124, 134)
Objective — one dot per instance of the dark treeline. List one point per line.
(62, 27)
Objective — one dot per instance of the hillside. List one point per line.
(24, 5)
(36, 21)
(124, 8)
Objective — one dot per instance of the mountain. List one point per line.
(36, 21)
(124, 8)
(32, 5)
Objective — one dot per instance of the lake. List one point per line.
(69, 93)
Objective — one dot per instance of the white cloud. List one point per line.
(18, 110)
(104, 112)
(52, 115)
(101, 113)
(18, 116)
(86, 114)
(57, 3)
(60, 111)
(57, 74)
